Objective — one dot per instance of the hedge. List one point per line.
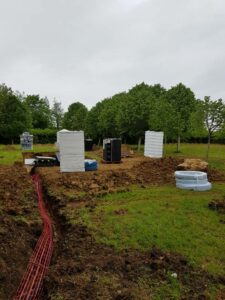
(44, 136)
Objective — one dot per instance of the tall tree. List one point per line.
(14, 115)
(162, 118)
(133, 117)
(92, 126)
(197, 125)
(108, 115)
(40, 111)
(57, 113)
(75, 117)
(183, 101)
(214, 117)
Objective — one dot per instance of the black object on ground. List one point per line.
(112, 150)
(88, 145)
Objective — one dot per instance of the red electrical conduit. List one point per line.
(31, 285)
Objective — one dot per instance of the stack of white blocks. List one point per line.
(153, 144)
(71, 147)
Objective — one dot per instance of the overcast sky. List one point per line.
(87, 50)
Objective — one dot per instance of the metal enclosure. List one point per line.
(26, 141)
(88, 144)
(112, 150)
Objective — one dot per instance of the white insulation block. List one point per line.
(153, 144)
(71, 148)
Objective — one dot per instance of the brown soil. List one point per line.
(218, 205)
(109, 178)
(113, 178)
(20, 226)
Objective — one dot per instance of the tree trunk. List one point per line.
(208, 147)
(139, 144)
(99, 142)
(178, 144)
(12, 141)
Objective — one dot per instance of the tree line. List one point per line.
(176, 112)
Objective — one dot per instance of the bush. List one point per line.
(44, 136)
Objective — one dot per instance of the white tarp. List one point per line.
(71, 148)
(153, 144)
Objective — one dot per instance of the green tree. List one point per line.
(197, 126)
(134, 112)
(183, 101)
(14, 115)
(40, 111)
(214, 116)
(162, 118)
(75, 117)
(133, 117)
(108, 115)
(57, 114)
(92, 126)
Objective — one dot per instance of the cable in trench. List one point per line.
(31, 285)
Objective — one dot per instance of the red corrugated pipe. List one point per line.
(31, 285)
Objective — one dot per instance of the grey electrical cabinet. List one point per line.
(26, 141)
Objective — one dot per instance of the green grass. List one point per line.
(216, 154)
(11, 153)
(166, 217)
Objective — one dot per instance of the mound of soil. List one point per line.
(218, 205)
(193, 164)
(113, 178)
(19, 226)
(85, 186)
(215, 175)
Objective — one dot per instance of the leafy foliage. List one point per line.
(40, 111)
(75, 117)
(14, 115)
(213, 116)
(128, 115)
(44, 136)
(183, 101)
(57, 114)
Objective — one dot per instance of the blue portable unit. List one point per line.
(91, 165)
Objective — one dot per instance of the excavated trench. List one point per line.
(31, 285)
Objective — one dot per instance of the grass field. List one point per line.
(11, 153)
(216, 154)
(166, 217)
